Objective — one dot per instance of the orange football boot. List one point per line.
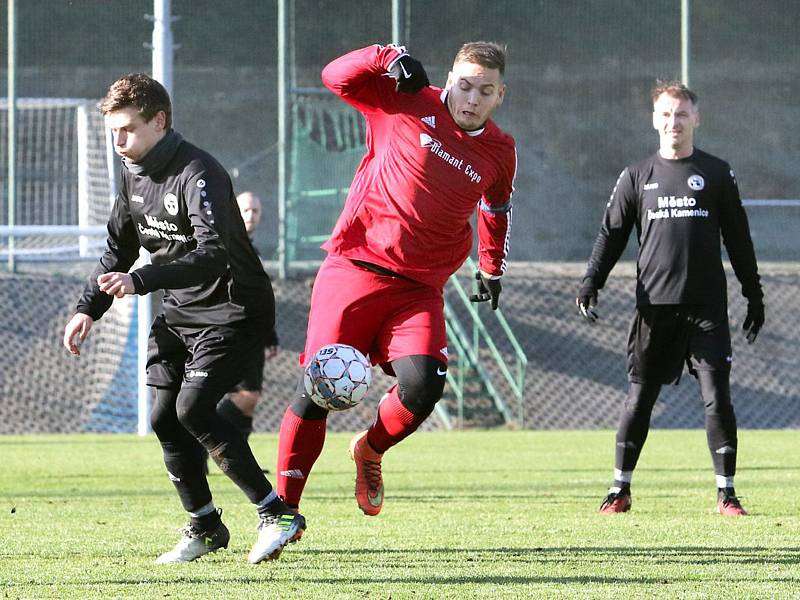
(618, 502)
(728, 505)
(369, 481)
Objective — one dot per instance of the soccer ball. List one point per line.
(337, 377)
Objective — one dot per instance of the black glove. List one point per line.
(586, 302)
(410, 75)
(754, 320)
(486, 289)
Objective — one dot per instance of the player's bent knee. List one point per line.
(245, 400)
(420, 399)
(162, 420)
(421, 387)
(193, 407)
(641, 397)
(304, 407)
(162, 416)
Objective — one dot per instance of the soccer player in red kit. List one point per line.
(432, 156)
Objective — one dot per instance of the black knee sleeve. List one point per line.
(184, 457)
(163, 420)
(721, 430)
(634, 424)
(304, 407)
(196, 410)
(641, 398)
(420, 382)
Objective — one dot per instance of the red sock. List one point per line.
(299, 445)
(393, 424)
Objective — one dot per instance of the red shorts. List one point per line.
(383, 316)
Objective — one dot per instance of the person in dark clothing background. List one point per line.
(239, 405)
(177, 202)
(680, 201)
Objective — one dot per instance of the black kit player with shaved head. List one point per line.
(681, 201)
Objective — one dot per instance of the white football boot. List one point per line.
(274, 532)
(195, 544)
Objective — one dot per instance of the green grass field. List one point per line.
(488, 514)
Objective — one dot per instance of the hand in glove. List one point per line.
(586, 302)
(410, 75)
(754, 320)
(486, 289)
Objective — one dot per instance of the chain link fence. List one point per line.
(576, 375)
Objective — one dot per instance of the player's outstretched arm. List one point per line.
(76, 332)
(369, 78)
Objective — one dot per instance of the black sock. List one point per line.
(624, 486)
(276, 507)
(234, 415)
(206, 523)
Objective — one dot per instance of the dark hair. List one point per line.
(141, 91)
(674, 88)
(487, 54)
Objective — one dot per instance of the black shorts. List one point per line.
(216, 357)
(664, 337)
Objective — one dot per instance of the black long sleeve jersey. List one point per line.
(185, 214)
(679, 208)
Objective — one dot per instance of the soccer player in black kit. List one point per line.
(680, 200)
(177, 202)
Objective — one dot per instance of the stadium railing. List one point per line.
(469, 341)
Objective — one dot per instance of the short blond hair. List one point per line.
(487, 54)
(674, 88)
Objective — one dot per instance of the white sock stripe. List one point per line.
(203, 510)
(724, 482)
(623, 475)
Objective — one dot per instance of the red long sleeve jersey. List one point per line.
(412, 197)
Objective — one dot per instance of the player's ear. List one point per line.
(501, 95)
(161, 120)
(450, 81)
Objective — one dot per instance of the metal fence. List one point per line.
(576, 372)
